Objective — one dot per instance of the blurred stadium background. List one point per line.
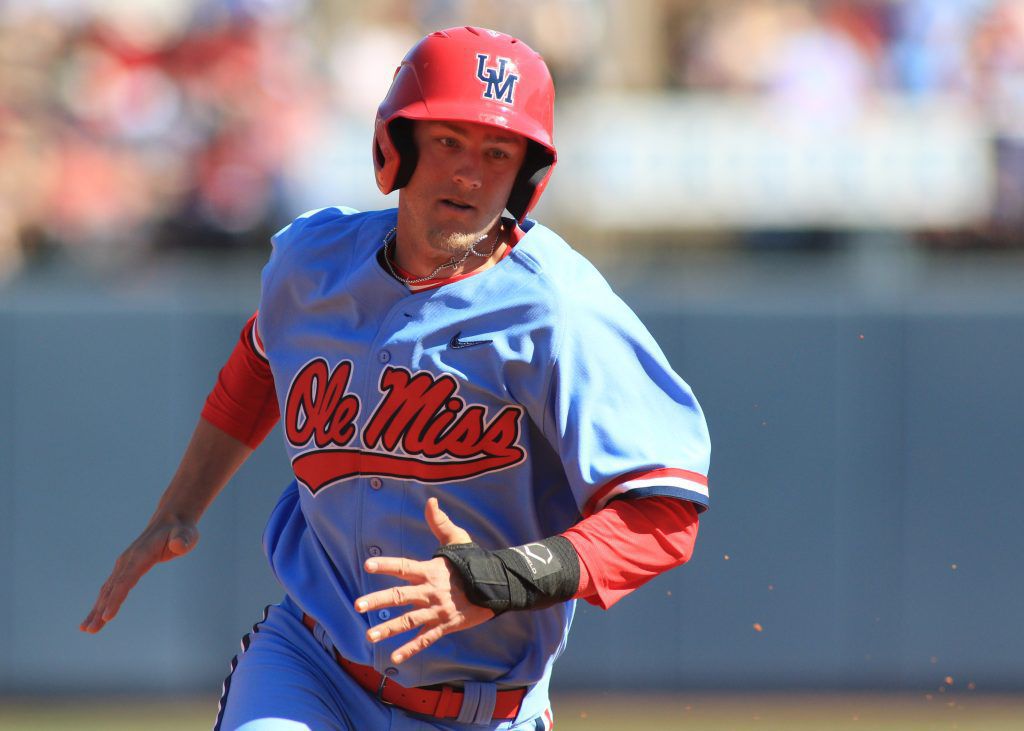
(817, 207)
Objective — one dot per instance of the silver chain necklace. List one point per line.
(389, 240)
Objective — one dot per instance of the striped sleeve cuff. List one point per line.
(668, 482)
(253, 338)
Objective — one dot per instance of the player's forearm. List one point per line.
(210, 460)
(601, 559)
(629, 542)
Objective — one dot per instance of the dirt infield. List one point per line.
(792, 712)
(966, 711)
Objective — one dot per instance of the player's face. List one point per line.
(461, 183)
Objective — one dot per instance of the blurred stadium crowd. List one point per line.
(129, 125)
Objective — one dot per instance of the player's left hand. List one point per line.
(433, 589)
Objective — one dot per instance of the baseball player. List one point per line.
(480, 430)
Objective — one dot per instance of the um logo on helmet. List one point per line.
(500, 84)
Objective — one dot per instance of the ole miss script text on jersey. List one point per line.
(419, 430)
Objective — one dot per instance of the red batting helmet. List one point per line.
(469, 75)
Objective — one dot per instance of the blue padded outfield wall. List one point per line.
(867, 493)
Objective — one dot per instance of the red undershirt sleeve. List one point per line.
(629, 542)
(243, 402)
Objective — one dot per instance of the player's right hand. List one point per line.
(162, 540)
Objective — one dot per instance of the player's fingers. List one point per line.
(122, 583)
(94, 621)
(398, 625)
(119, 592)
(422, 641)
(394, 597)
(86, 624)
(444, 530)
(403, 568)
(112, 606)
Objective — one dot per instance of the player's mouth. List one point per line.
(455, 204)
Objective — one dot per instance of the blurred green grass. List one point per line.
(963, 711)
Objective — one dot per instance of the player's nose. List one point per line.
(469, 173)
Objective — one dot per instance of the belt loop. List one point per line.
(470, 701)
(449, 703)
(319, 633)
(478, 702)
(488, 699)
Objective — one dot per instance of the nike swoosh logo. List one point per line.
(456, 343)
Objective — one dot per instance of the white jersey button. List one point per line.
(375, 483)
(384, 614)
(384, 356)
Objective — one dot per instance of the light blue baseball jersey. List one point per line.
(523, 397)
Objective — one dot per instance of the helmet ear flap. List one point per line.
(400, 131)
(394, 153)
(531, 180)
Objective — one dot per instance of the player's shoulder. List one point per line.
(333, 225)
(317, 218)
(560, 270)
(572, 290)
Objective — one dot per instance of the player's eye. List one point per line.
(448, 141)
(498, 154)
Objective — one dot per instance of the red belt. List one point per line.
(440, 701)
